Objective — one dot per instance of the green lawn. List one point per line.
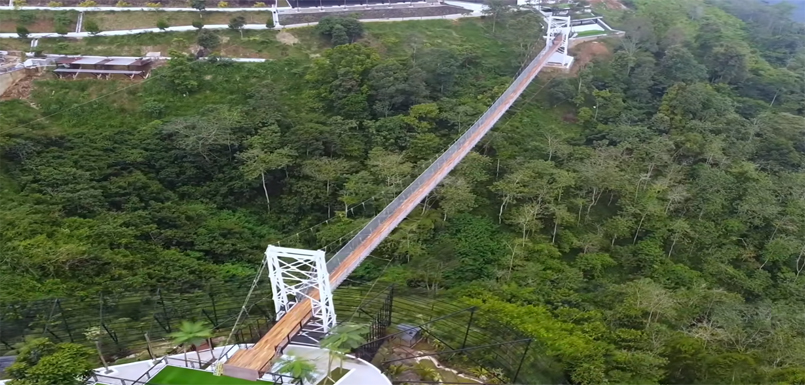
(172, 375)
(591, 33)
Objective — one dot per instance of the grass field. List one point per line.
(133, 20)
(172, 375)
(390, 39)
(591, 33)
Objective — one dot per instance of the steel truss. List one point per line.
(296, 272)
(559, 26)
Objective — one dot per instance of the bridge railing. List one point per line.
(447, 161)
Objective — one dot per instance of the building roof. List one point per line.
(90, 60)
(94, 71)
(120, 62)
(66, 60)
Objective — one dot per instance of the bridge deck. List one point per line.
(249, 364)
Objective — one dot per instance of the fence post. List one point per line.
(469, 325)
(525, 353)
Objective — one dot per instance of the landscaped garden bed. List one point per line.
(173, 375)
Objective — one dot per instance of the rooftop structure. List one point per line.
(103, 67)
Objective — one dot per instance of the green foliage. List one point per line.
(22, 31)
(200, 5)
(208, 39)
(297, 367)
(198, 24)
(641, 219)
(237, 23)
(40, 362)
(92, 27)
(340, 30)
(162, 24)
(270, 22)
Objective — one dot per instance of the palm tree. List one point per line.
(342, 339)
(297, 367)
(192, 333)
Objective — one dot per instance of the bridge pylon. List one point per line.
(559, 26)
(294, 274)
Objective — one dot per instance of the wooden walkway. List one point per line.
(252, 363)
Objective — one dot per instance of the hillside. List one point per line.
(642, 218)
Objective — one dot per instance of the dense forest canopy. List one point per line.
(652, 234)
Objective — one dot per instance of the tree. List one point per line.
(326, 170)
(297, 367)
(237, 23)
(162, 24)
(208, 39)
(198, 24)
(192, 333)
(270, 22)
(200, 5)
(497, 10)
(92, 27)
(339, 35)
(342, 339)
(179, 74)
(94, 334)
(264, 154)
(22, 31)
(40, 362)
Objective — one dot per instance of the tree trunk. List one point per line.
(265, 190)
(198, 355)
(209, 343)
(555, 226)
(638, 228)
(100, 354)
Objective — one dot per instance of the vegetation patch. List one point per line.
(172, 375)
(590, 33)
(335, 375)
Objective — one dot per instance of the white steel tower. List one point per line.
(559, 26)
(294, 274)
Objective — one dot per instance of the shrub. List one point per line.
(270, 22)
(61, 29)
(153, 5)
(259, 4)
(208, 39)
(22, 31)
(20, 3)
(88, 3)
(198, 24)
(162, 24)
(92, 27)
(55, 4)
(223, 4)
(26, 18)
(122, 4)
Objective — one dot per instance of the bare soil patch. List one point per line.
(586, 52)
(287, 38)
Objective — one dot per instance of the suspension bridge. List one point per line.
(305, 276)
